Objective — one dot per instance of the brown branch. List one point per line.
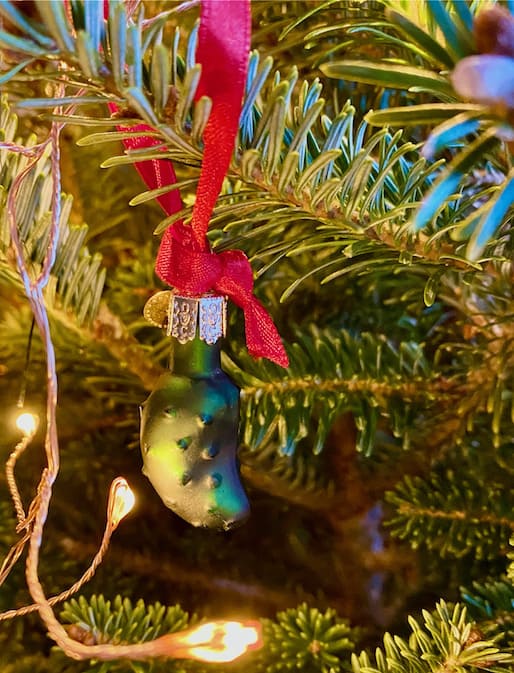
(175, 573)
(416, 389)
(110, 331)
(318, 500)
(411, 510)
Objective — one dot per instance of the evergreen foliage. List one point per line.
(374, 202)
(122, 621)
(304, 638)
(462, 519)
(78, 277)
(493, 604)
(98, 620)
(331, 371)
(445, 641)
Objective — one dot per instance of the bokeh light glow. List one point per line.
(221, 641)
(27, 423)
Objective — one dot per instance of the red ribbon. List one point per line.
(185, 260)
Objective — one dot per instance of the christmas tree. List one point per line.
(370, 188)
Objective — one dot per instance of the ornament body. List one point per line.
(189, 438)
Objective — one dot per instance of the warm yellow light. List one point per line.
(221, 641)
(27, 423)
(121, 500)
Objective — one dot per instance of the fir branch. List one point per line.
(313, 163)
(457, 514)
(307, 639)
(412, 511)
(298, 483)
(297, 163)
(166, 570)
(446, 642)
(378, 389)
(425, 66)
(491, 603)
(108, 329)
(332, 371)
(77, 277)
(120, 621)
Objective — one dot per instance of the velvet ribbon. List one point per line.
(185, 260)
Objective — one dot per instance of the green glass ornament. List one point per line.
(189, 438)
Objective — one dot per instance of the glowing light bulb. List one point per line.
(27, 423)
(221, 641)
(121, 500)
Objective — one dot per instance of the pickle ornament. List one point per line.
(189, 423)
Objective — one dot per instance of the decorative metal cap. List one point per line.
(187, 317)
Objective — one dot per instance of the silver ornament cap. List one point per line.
(185, 317)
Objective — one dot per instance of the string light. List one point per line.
(214, 642)
(222, 641)
(27, 423)
(121, 501)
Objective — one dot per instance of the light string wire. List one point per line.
(24, 521)
(38, 510)
(110, 527)
(170, 645)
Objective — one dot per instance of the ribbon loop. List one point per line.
(185, 260)
(223, 45)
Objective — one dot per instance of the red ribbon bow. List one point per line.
(185, 260)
